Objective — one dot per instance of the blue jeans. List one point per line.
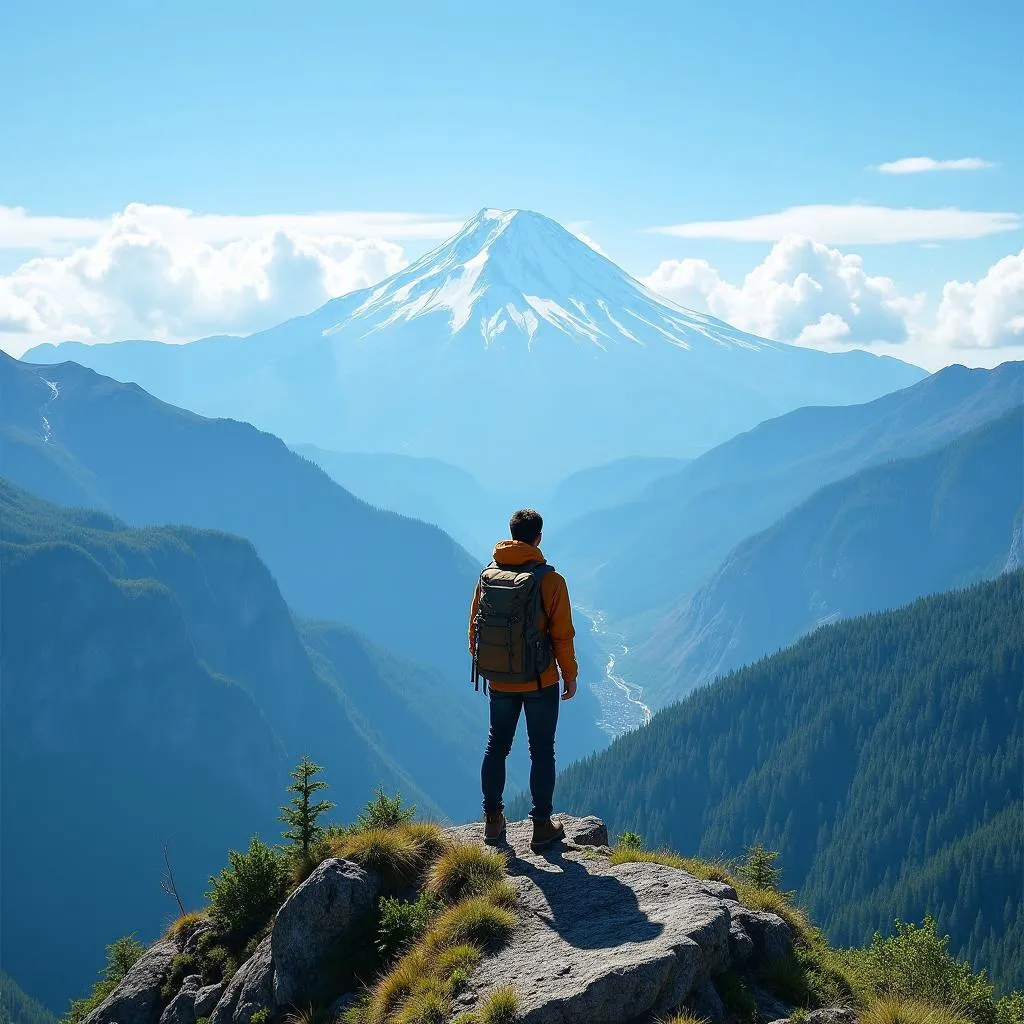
(541, 718)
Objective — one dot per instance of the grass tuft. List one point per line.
(393, 854)
(707, 870)
(906, 1011)
(184, 927)
(501, 1007)
(773, 902)
(431, 839)
(475, 921)
(465, 870)
(685, 1018)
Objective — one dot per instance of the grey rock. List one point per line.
(705, 1003)
(250, 990)
(768, 1006)
(832, 1015)
(771, 935)
(191, 944)
(314, 923)
(722, 890)
(182, 1008)
(207, 998)
(137, 999)
(589, 831)
(597, 944)
(741, 945)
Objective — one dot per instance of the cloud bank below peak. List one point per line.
(808, 293)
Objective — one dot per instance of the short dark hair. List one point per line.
(526, 525)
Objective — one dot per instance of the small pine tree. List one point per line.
(631, 841)
(759, 869)
(385, 812)
(304, 828)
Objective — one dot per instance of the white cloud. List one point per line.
(154, 272)
(803, 292)
(20, 229)
(926, 164)
(853, 224)
(988, 313)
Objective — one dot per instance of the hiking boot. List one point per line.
(494, 828)
(546, 833)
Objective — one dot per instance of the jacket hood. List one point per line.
(516, 552)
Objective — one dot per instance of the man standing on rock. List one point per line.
(521, 637)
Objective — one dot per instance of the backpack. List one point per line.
(510, 645)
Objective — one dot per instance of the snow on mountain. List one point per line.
(516, 271)
(512, 349)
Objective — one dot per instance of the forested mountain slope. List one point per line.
(882, 756)
(875, 540)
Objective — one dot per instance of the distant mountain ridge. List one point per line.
(659, 547)
(871, 541)
(73, 437)
(589, 364)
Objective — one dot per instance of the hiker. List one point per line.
(521, 637)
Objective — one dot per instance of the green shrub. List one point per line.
(759, 870)
(1010, 1009)
(182, 966)
(122, 956)
(261, 1016)
(247, 893)
(915, 965)
(385, 812)
(402, 923)
(631, 841)
(736, 996)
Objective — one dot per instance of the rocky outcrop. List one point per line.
(595, 943)
(314, 923)
(604, 944)
(770, 936)
(207, 998)
(182, 1008)
(249, 991)
(137, 999)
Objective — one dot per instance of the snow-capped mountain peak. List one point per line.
(516, 273)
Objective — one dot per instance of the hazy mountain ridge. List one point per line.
(871, 541)
(513, 307)
(657, 550)
(881, 755)
(115, 447)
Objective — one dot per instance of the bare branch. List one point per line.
(168, 884)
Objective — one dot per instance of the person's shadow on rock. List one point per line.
(587, 911)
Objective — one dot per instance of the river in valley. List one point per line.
(622, 706)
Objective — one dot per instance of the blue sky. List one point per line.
(613, 118)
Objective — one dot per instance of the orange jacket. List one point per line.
(555, 618)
